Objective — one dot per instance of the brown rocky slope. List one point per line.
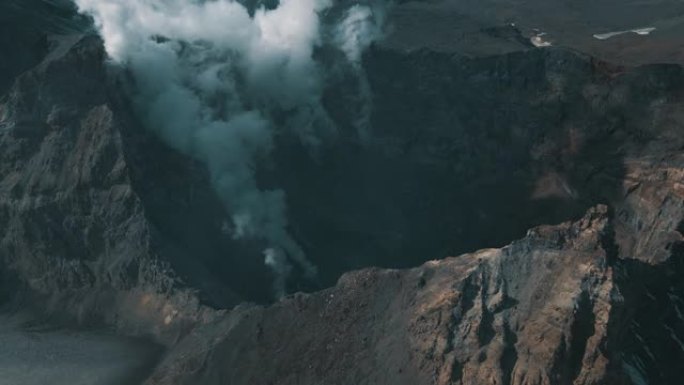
(556, 307)
(539, 311)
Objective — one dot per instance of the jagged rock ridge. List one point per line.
(557, 307)
(536, 312)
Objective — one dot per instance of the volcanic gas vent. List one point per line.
(252, 171)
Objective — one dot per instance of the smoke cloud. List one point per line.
(360, 26)
(217, 83)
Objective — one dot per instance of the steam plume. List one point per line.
(360, 26)
(210, 80)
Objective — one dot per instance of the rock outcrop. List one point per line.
(556, 307)
(552, 308)
(74, 233)
(539, 311)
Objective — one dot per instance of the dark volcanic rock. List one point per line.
(78, 218)
(103, 224)
(73, 230)
(23, 28)
(501, 144)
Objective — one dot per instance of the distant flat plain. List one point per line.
(462, 26)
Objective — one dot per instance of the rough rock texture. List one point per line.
(557, 307)
(72, 229)
(540, 311)
(103, 224)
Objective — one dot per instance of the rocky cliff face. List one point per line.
(556, 307)
(74, 231)
(539, 311)
(102, 224)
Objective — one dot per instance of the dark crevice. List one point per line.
(456, 372)
(470, 290)
(582, 328)
(608, 243)
(648, 340)
(510, 354)
(485, 329)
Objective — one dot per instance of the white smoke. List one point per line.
(209, 80)
(360, 26)
(278, 263)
